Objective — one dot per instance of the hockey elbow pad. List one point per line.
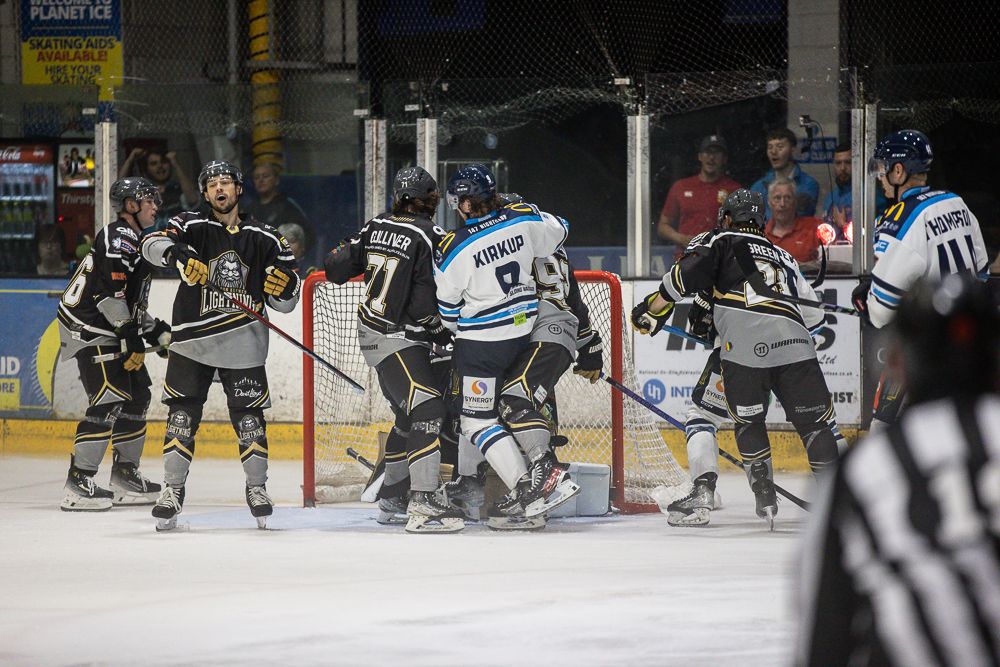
(193, 271)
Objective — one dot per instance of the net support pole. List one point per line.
(639, 228)
(106, 161)
(375, 161)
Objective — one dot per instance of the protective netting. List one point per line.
(343, 418)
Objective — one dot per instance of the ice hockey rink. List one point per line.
(329, 586)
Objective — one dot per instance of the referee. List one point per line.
(902, 563)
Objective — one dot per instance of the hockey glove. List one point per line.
(647, 322)
(439, 333)
(193, 271)
(589, 361)
(280, 284)
(859, 298)
(132, 346)
(158, 335)
(700, 318)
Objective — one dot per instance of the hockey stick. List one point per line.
(101, 358)
(756, 280)
(305, 350)
(673, 422)
(353, 453)
(684, 334)
(821, 275)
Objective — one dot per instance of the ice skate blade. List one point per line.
(769, 513)
(562, 493)
(472, 513)
(390, 518)
(429, 524)
(502, 523)
(697, 517)
(164, 525)
(74, 503)
(262, 522)
(716, 501)
(135, 499)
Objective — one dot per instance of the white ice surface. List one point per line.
(329, 586)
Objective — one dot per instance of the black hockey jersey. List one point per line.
(756, 331)
(395, 253)
(206, 326)
(111, 284)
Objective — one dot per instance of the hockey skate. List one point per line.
(467, 494)
(427, 514)
(82, 494)
(763, 491)
(170, 504)
(550, 486)
(391, 510)
(260, 504)
(694, 509)
(508, 514)
(129, 486)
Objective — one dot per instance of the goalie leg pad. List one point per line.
(423, 445)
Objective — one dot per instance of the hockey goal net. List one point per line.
(601, 426)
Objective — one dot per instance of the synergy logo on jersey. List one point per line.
(230, 273)
(478, 393)
(497, 250)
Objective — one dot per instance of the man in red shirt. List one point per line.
(692, 204)
(785, 229)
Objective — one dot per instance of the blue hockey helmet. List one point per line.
(910, 148)
(473, 181)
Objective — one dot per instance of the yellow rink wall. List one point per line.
(30, 437)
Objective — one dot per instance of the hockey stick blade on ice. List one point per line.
(305, 350)
(673, 422)
(375, 480)
(101, 358)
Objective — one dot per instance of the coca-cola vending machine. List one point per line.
(27, 201)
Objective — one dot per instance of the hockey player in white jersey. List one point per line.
(923, 232)
(487, 295)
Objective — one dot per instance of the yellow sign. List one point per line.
(75, 43)
(10, 393)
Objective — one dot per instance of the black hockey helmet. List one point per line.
(413, 183)
(949, 334)
(218, 168)
(133, 187)
(745, 207)
(473, 181)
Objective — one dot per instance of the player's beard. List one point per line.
(224, 211)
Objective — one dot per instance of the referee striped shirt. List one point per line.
(902, 561)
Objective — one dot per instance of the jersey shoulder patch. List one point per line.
(122, 239)
(898, 218)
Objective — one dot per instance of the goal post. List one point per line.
(601, 425)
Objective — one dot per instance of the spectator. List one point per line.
(780, 148)
(274, 207)
(296, 238)
(837, 209)
(50, 252)
(178, 191)
(786, 229)
(692, 205)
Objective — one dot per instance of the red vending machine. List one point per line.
(27, 189)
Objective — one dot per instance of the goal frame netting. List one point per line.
(630, 425)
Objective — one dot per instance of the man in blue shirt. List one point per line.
(780, 147)
(837, 209)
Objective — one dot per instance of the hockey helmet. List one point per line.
(745, 207)
(910, 148)
(949, 334)
(474, 181)
(133, 187)
(413, 183)
(218, 168)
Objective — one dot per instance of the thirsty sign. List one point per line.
(71, 42)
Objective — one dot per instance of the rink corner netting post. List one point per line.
(308, 404)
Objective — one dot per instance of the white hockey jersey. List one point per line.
(483, 271)
(927, 233)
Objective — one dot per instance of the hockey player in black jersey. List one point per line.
(765, 342)
(901, 562)
(251, 263)
(397, 322)
(103, 311)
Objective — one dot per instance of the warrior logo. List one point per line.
(230, 273)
